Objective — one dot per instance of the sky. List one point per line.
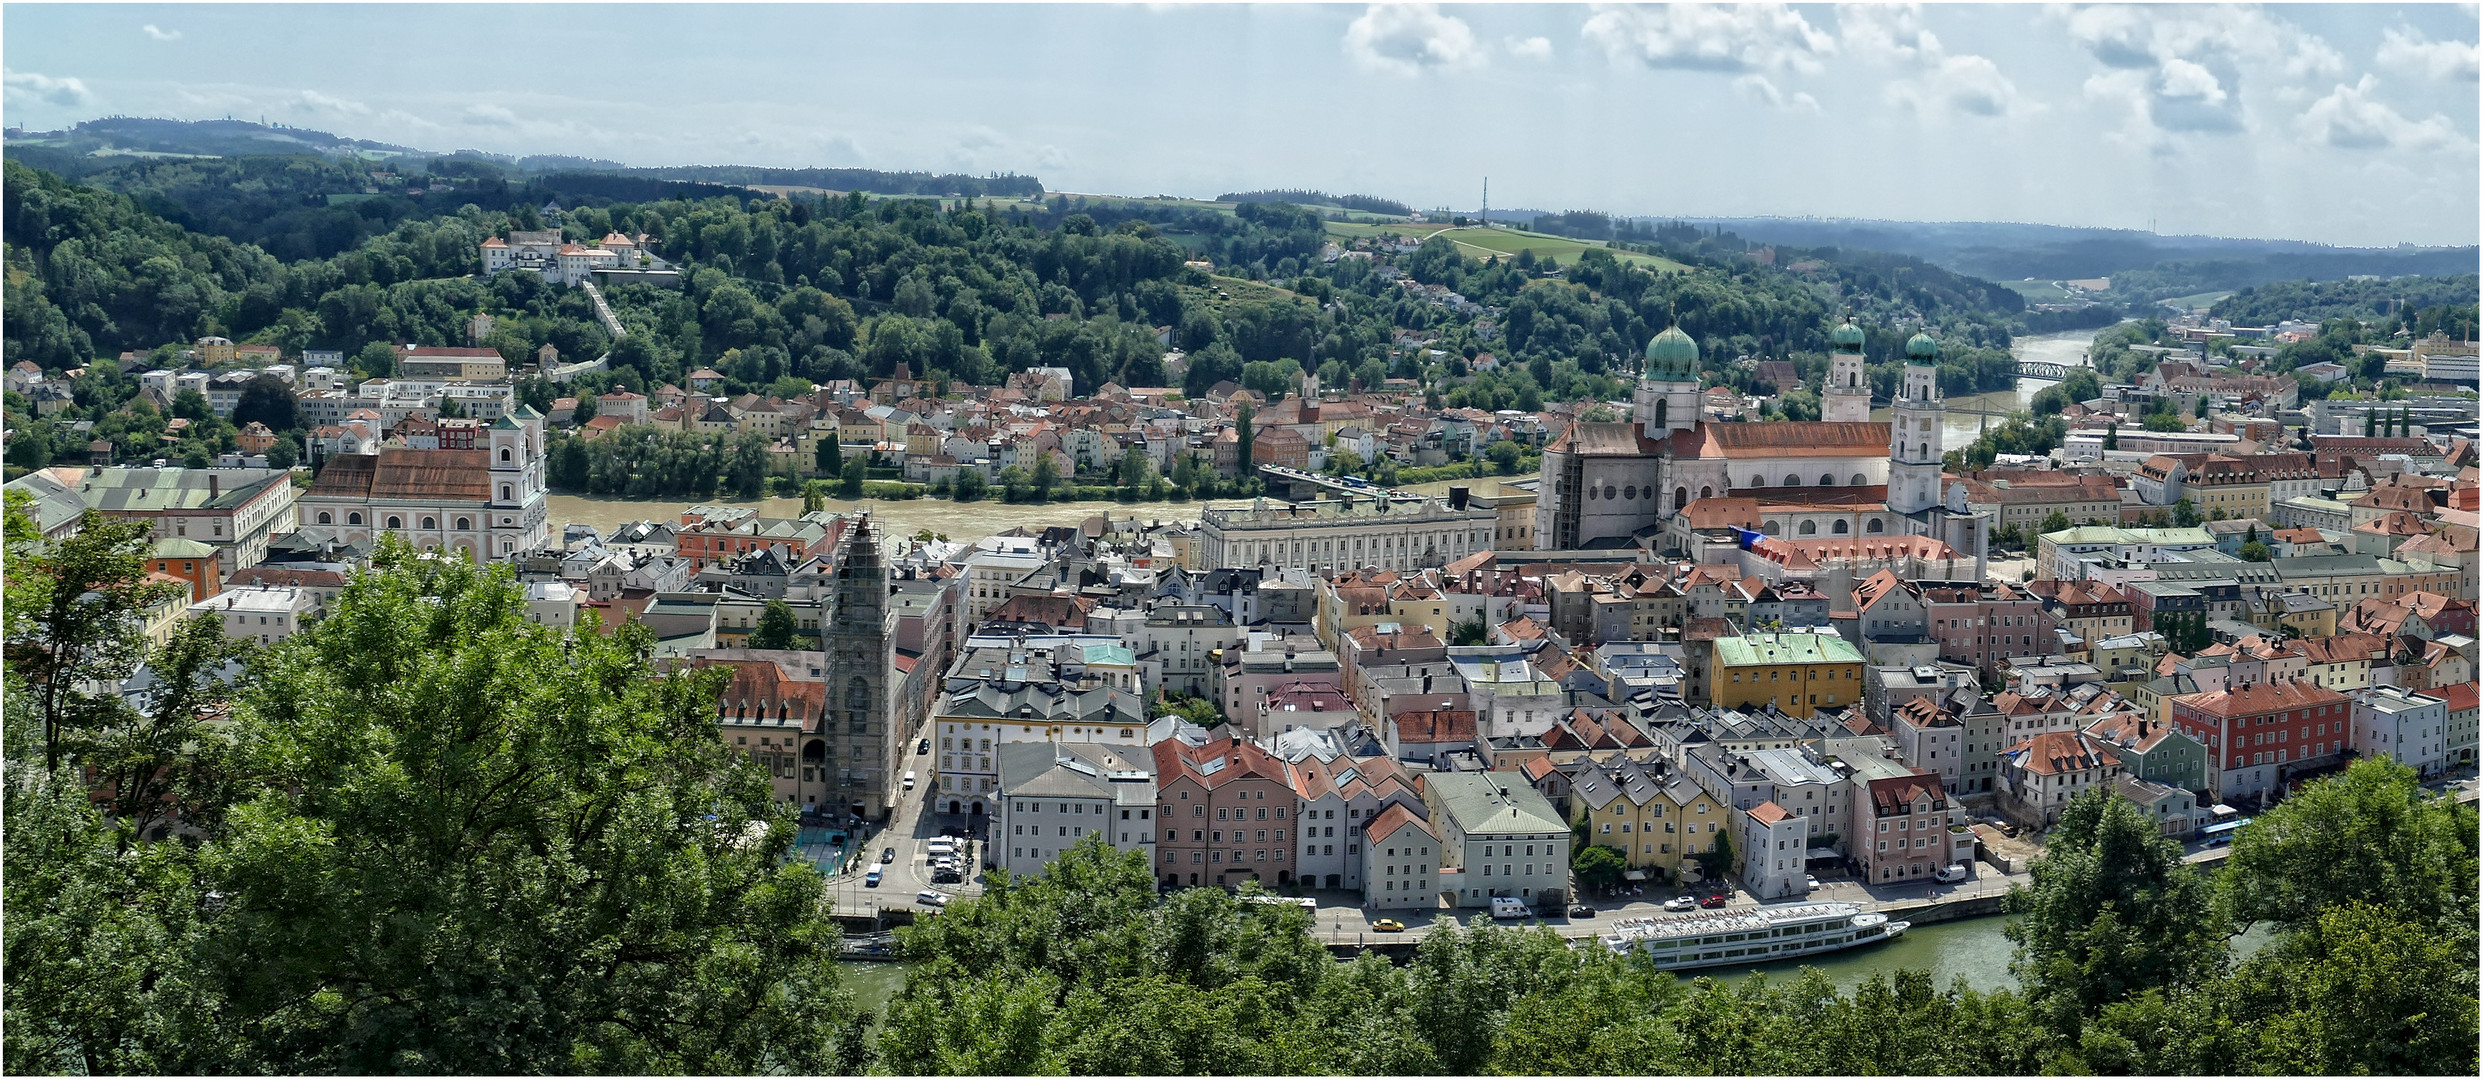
(2347, 124)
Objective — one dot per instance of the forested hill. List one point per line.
(806, 288)
(2317, 301)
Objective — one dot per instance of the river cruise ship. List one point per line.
(1751, 936)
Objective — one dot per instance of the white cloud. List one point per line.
(1885, 32)
(489, 116)
(1758, 88)
(312, 101)
(1708, 37)
(27, 88)
(1407, 39)
(1945, 83)
(2409, 50)
(1533, 48)
(2192, 61)
(150, 30)
(2350, 119)
(1967, 84)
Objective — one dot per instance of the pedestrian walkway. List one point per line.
(603, 311)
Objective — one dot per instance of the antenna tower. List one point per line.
(1487, 200)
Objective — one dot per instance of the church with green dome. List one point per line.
(1669, 478)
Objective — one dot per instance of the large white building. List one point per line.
(1349, 535)
(488, 502)
(1615, 485)
(2406, 726)
(1055, 795)
(1501, 838)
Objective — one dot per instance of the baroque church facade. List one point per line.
(1617, 485)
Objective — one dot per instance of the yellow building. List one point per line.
(1657, 820)
(1797, 673)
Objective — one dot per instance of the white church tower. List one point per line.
(1914, 431)
(1667, 398)
(1847, 397)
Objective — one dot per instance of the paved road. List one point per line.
(909, 830)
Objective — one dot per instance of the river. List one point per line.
(1976, 950)
(896, 517)
(2067, 349)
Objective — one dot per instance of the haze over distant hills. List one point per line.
(2001, 251)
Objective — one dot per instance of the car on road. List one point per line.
(887, 855)
(931, 899)
(909, 779)
(923, 746)
(1950, 874)
(1581, 911)
(1388, 926)
(1711, 900)
(1680, 903)
(871, 880)
(1810, 882)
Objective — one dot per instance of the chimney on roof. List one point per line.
(214, 487)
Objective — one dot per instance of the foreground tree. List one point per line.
(460, 842)
(2113, 911)
(2371, 835)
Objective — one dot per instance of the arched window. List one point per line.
(1809, 528)
(395, 522)
(1871, 526)
(1842, 528)
(326, 518)
(353, 517)
(1705, 492)
(464, 524)
(1772, 528)
(507, 545)
(1922, 450)
(504, 453)
(1681, 497)
(1792, 480)
(504, 493)
(1826, 480)
(1662, 407)
(1758, 481)
(1858, 481)
(430, 523)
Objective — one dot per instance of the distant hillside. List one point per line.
(99, 145)
(2144, 266)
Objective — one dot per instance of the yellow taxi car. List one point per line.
(1388, 926)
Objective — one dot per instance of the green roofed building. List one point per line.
(1798, 674)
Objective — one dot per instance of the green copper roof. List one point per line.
(1846, 337)
(1672, 355)
(1921, 349)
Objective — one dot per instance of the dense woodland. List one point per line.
(784, 292)
(425, 834)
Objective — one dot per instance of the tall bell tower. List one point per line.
(1847, 396)
(1914, 430)
(858, 726)
(1667, 398)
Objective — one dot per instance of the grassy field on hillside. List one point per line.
(1501, 241)
(2196, 300)
(2038, 292)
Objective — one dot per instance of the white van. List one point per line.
(909, 779)
(1509, 907)
(940, 847)
(1951, 874)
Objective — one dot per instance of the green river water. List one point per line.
(1972, 949)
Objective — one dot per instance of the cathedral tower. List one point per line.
(1914, 431)
(1847, 396)
(861, 742)
(1668, 386)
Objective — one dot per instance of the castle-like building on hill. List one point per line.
(1617, 485)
